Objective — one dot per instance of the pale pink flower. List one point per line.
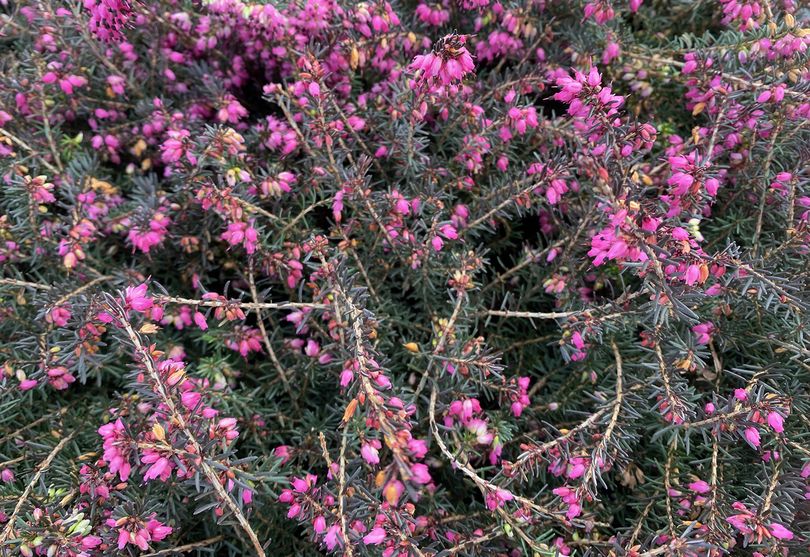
(375, 537)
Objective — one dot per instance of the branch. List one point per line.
(270, 352)
(177, 416)
(34, 480)
(237, 303)
(185, 548)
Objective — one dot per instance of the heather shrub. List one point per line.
(407, 278)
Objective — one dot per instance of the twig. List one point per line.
(668, 487)
(590, 473)
(79, 290)
(772, 485)
(35, 423)
(748, 84)
(503, 204)
(178, 417)
(237, 303)
(255, 208)
(532, 314)
(185, 548)
(640, 523)
(260, 322)
(342, 494)
(19, 142)
(439, 345)
(30, 487)
(485, 486)
(540, 449)
(24, 283)
(301, 215)
(764, 196)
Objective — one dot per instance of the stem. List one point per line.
(41, 468)
(178, 418)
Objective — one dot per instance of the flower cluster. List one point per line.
(404, 278)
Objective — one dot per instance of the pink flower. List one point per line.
(692, 275)
(117, 448)
(176, 147)
(312, 348)
(108, 18)
(449, 61)
(703, 332)
(60, 378)
(449, 231)
(282, 452)
(420, 473)
(160, 466)
(199, 320)
(136, 298)
(752, 436)
(59, 316)
(497, 498)
(681, 182)
(241, 233)
(776, 421)
(346, 377)
(150, 234)
(331, 539)
(370, 453)
(700, 487)
(780, 532)
(375, 537)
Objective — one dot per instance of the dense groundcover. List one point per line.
(407, 278)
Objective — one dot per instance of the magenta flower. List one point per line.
(370, 452)
(160, 466)
(241, 233)
(448, 63)
(150, 234)
(199, 320)
(134, 531)
(497, 499)
(59, 316)
(699, 487)
(117, 448)
(67, 83)
(703, 332)
(137, 299)
(752, 436)
(375, 537)
(780, 532)
(331, 539)
(776, 421)
(60, 378)
(108, 17)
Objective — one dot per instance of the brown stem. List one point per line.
(180, 420)
(41, 468)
